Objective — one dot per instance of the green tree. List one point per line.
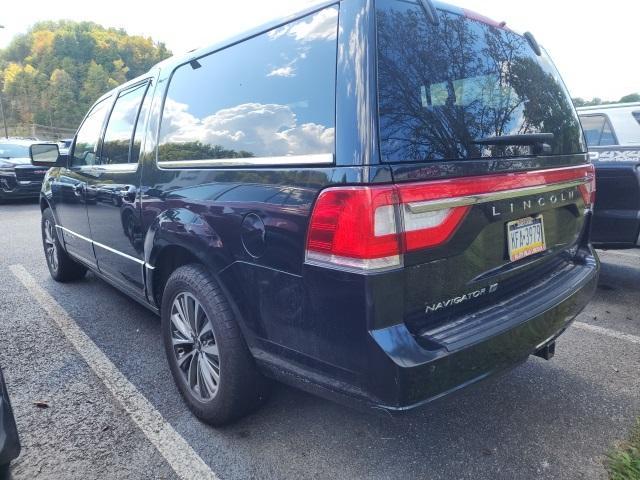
(61, 100)
(632, 97)
(96, 83)
(22, 91)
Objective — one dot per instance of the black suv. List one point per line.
(379, 202)
(18, 178)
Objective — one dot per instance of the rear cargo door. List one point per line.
(488, 155)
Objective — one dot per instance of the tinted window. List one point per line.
(272, 95)
(117, 138)
(597, 130)
(441, 88)
(84, 152)
(636, 115)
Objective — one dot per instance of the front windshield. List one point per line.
(10, 150)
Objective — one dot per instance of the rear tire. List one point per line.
(61, 267)
(209, 359)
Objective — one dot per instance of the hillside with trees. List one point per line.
(581, 102)
(51, 74)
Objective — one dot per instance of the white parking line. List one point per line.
(184, 461)
(608, 332)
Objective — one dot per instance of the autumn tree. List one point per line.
(54, 72)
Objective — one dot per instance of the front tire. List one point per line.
(61, 267)
(207, 354)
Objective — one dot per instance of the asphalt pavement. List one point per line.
(94, 398)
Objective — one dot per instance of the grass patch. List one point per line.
(624, 462)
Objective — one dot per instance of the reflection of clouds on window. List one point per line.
(262, 129)
(287, 71)
(225, 108)
(123, 117)
(320, 26)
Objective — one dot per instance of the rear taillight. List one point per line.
(588, 190)
(369, 228)
(355, 227)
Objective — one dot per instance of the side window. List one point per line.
(119, 132)
(270, 96)
(84, 151)
(597, 130)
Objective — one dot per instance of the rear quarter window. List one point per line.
(262, 100)
(442, 87)
(597, 130)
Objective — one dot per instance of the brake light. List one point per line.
(355, 227)
(369, 228)
(481, 18)
(588, 190)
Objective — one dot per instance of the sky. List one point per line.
(593, 44)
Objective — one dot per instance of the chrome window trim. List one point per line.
(434, 205)
(105, 247)
(312, 159)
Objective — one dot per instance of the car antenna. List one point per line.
(430, 11)
(533, 43)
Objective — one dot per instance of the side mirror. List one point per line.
(45, 155)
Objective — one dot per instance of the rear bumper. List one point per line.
(474, 350)
(394, 370)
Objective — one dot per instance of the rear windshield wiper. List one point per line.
(519, 139)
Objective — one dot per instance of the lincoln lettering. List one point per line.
(525, 205)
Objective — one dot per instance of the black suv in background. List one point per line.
(379, 202)
(18, 178)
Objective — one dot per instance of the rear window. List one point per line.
(597, 130)
(443, 87)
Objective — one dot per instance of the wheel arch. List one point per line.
(176, 238)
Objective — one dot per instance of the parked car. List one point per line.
(9, 441)
(379, 236)
(18, 178)
(613, 137)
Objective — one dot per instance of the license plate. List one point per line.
(525, 237)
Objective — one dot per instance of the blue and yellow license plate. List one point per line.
(525, 237)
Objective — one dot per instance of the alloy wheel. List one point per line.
(50, 247)
(195, 347)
